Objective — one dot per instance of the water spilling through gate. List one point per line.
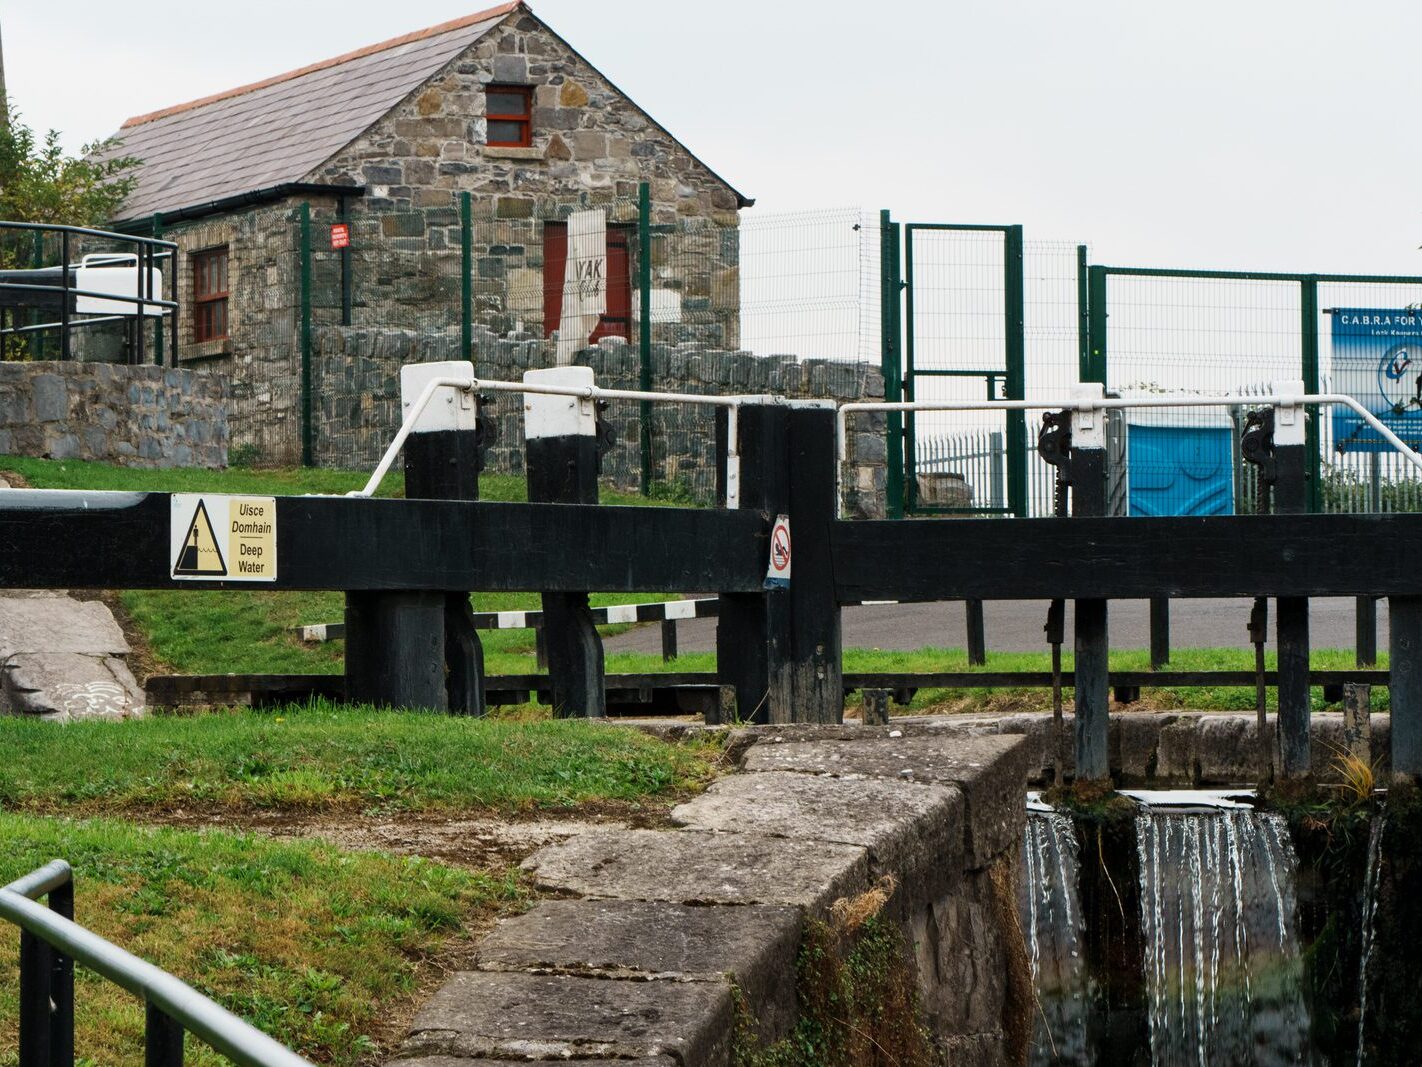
(1223, 970)
(1054, 926)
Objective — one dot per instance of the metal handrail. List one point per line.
(733, 404)
(94, 294)
(173, 1005)
(1078, 403)
(86, 231)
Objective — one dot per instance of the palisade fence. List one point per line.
(1140, 331)
(771, 304)
(803, 304)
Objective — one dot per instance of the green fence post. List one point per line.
(158, 341)
(307, 449)
(890, 366)
(1096, 326)
(1014, 300)
(904, 311)
(644, 328)
(1308, 325)
(466, 275)
(1083, 318)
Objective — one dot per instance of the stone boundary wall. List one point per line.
(356, 388)
(650, 937)
(1170, 750)
(114, 413)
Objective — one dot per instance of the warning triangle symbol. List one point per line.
(200, 554)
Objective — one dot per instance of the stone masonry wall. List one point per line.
(654, 936)
(1175, 750)
(261, 356)
(591, 148)
(356, 376)
(138, 416)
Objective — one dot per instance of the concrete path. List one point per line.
(1016, 626)
(63, 659)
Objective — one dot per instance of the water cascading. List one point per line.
(1223, 971)
(1370, 907)
(1054, 926)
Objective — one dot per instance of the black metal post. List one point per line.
(977, 636)
(1159, 632)
(64, 295)
(1258, 635)
(753, 635)
(562, 463)
(1093, 683)
(36, 976)
(162, 1039)
(1405, 686)
(668, 640)
(61, 988)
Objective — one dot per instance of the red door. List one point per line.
(617, 320)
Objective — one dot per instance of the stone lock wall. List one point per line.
(655, 936)
(356, 378)
(137, 416)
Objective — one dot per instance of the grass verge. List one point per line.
(325, 757)
(251, 631)
(1197, 698)
(324, 950)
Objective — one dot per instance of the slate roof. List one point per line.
(277, 131)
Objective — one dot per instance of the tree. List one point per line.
(40, 183)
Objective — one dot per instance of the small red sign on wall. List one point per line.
(340, 235)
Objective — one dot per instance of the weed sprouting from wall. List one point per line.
(857, 997)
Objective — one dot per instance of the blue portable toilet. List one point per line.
(1180, 466)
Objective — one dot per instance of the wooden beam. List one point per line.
(53, 539)
(1125, 559)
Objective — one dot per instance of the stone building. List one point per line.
(386, 139)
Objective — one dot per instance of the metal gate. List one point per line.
(953, 295)
(1163, 330)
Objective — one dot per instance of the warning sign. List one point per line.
(223, 538)
(777, 575)
(340, 236)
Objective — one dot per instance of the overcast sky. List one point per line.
(1223, 133)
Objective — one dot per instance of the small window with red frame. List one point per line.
(509, 111)
(210, 295)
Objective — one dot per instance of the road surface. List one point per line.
(1016, 626)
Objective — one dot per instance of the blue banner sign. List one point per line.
(1377, 360)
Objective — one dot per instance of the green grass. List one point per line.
(322, 949)
(1199, 698)
(334, 757)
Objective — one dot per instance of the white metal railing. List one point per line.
(1077, 403)
(733, 404)
(1087, 404)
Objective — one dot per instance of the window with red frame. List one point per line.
(509, 111)
(210, 295)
